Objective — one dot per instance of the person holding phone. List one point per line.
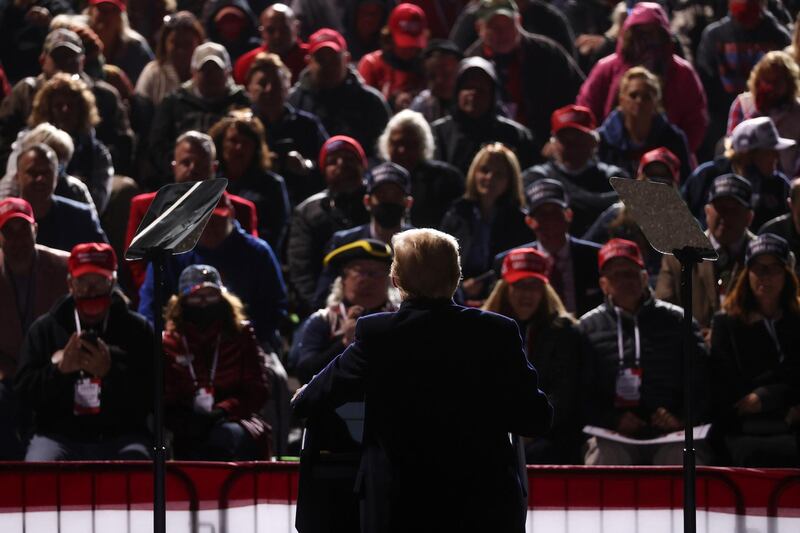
(85, 367)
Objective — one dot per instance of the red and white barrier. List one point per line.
(255, 497)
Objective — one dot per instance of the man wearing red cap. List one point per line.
(32, 278)
(395, 70)
(634, 362)
(122, 46)
(574, 162)
(332, 90)
(85, 368)
(340, 206)
(279, 33)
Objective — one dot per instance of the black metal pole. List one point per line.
(688, 258)
(159, 448)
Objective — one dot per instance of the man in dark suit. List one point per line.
(444, 387)
(575, 276)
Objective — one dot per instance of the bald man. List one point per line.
(279, 33)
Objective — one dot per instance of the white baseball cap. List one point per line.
(758, 133)
(211, 52)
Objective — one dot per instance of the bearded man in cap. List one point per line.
(85, 368)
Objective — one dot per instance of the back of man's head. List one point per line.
(426, 264)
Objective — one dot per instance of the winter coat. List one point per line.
(69, 223)
(390, 75)
(267, 191)
(683, 96)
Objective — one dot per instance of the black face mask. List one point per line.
(203, 317)
(388, 215)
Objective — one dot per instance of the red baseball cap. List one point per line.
(326, 38)
(119, 3)
(15, 208)
(524, 263)
(666, 158)
(408, 26)
(342, 142)
(92, 258)
(620, 248)
(573, 116)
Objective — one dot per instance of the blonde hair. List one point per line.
(550, 307)
(57, 139)
(497, 151)
(641, 73)
(426, 264)
(264, 62)
(63, 82)
(782, 61)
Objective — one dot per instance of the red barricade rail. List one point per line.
(243, 497)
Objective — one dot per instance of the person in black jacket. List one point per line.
(574, 162)
(422, 427)
(476, 120)
(634, 382)
(197, 105)
(489, 218)
(755, 356)
(574, 275)
(788, 225)
(553, 345)
(435, 185)
(85, 369)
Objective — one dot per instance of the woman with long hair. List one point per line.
(216, 378)
(245, 160)
(553, 346)
(489, 218)
(755, 356)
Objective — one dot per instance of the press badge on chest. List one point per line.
(629, 382)
(204, 399)
(87, 396)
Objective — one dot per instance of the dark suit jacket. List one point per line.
(444, 387)
(585, 272)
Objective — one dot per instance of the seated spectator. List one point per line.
(215, 380)
(179, 35)
(536, 16)
(553, 347)
(788, 226)
(67, 103)
(631, 335)
(61, 142)
(476, 121)
(729, 213)
(755, 345)
(574, 274)
(340, 206)
(85, 369)
(279, 35)
(388, 200)
(195, 159)
(727, 52)
(247, 265)
(408, 141)
(32, 278)
(362, 26)
(362, 287)
(646, 42)
(489, 218)
(333, 91)
(772, 91)
(595, 26)
(659, 165)
(574, 162)
(197, 105)
(232, 24)
(62, 223)
(246, 162)
(64, 52)
(638, 125)
(753, 153)
(294, 136)
(395, 69)
(520, 60)
(440, 61)
(122, 46)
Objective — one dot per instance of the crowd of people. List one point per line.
(339, 125)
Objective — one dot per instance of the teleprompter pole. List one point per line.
(159, 447)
